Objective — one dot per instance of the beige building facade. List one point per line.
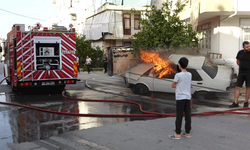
(226, 24)
(2, 47)
(70, 12)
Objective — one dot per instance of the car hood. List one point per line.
(224, 73)
(137, 71)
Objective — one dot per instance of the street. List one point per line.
(24, 125)
(109, 74)
(29, 129)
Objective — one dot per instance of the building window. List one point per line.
(206, 35)
(246, 34)
(127, 24)
(127, 43)
(110, 43)
(73, 17)
(136, 21)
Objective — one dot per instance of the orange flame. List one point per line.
(162, 66)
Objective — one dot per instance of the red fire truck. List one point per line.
(40, 57)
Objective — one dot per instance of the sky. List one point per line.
(42, 10)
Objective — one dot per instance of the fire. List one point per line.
(162, 66)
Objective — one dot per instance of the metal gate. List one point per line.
(110, 61)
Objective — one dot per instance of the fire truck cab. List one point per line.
(40, 57)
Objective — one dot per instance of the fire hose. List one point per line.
(145, 113)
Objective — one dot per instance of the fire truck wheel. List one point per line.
(14, 89)
(62, 87)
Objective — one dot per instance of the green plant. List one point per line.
(84, 49)
(163, 28)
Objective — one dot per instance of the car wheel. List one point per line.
(202, 95)
(142, 89)
(134, 89)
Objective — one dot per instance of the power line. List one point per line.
(21, 15)
(27, 14)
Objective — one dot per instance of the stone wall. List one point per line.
(123, 61)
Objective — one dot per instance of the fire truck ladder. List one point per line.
(27, 56)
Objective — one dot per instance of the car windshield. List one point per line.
(210, 68)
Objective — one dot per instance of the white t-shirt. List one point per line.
(77, 59)
(183, 86)
(88, 60)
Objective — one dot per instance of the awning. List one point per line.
(137, 2)
(100, 3)
(106, 22)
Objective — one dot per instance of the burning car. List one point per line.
(206, 77)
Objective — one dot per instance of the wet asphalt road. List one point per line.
(24, 125)
(19, 124)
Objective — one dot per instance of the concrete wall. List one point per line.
(230, 33)
(101, 44)
(119, 42)
(215, 36)
(217, 5)
(243, 5)
(123, 61)
(211, 6)
(227, 35)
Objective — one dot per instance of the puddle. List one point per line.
(5, 126)
(26, 125)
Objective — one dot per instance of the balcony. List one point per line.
(210, 9)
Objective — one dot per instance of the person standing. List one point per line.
(88, 63)
(105, 63)
(77, 59)
(243, 60)
(182, 83)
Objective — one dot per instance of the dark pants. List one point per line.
(183, 106)
(105, 66)
(88, 67)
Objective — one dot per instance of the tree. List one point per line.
(163, 28)
(84, 49)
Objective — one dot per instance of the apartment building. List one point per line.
(70, 12)
(226, 24)
(1, 49)
(111, 23)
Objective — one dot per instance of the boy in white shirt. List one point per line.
(182, 83)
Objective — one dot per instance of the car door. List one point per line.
(164, 84)
(197, 82)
